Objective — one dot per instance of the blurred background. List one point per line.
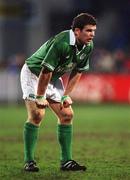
(101, 125)
(26, 24)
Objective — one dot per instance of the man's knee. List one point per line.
(66, 118)
(36, 117)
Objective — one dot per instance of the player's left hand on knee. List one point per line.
(66, 101)
(41, 102)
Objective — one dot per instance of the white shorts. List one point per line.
(29, 82)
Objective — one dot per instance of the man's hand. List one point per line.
(66, 101)
(41, 102)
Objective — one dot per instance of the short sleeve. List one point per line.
(52, 57)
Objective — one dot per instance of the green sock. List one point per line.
(30, 136)
(65, 140)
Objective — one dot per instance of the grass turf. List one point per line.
(101, 141)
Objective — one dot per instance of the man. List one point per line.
(42, 86)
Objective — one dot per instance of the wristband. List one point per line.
(64, 98)
(40, 97)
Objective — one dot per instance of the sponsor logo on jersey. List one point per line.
(82, 56)
(67, 57)
(66, 68)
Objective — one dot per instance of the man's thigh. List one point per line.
(55, 90)
(64, 115)
(29, 83)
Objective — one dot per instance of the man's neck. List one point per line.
(79, 45)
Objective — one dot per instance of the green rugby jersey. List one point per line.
(60, 55)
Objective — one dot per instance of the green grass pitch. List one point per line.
(101, 142)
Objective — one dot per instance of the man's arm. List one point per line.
(73, 80)
(44, 79)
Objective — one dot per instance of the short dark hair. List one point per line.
(82, 20)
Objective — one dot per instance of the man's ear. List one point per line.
(77, 32)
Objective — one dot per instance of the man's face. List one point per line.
(85, 35)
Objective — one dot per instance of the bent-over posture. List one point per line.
(42, 86)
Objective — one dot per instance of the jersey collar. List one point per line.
(72, 37)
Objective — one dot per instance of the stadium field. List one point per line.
(101, 142)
